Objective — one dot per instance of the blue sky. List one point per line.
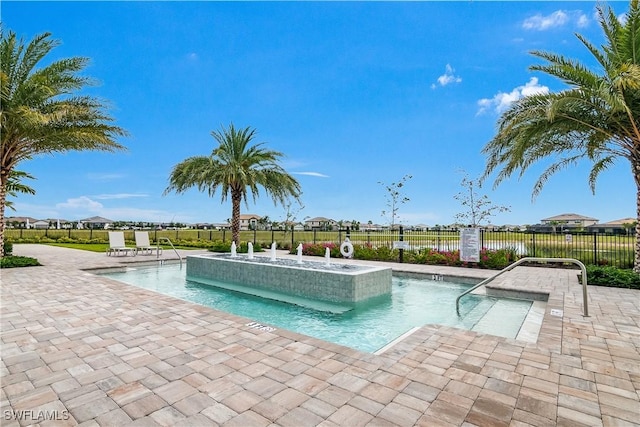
(353, 93)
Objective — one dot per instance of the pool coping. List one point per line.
(582, 370)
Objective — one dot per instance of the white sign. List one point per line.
(470, 244)
(401, 245)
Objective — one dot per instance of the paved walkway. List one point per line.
(83, 349)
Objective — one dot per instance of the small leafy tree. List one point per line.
(394, 198)
(628, 226)
(292, 208)
(554, 224)
(478, 208)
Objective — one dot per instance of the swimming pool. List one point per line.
(367, 326)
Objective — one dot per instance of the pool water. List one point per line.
(368, 326)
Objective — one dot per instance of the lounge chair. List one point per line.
(117, 245)
(143, 245)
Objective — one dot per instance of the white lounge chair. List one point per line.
(143, 245)
(117, 245)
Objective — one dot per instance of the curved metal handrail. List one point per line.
(172, 247)
(536, 259)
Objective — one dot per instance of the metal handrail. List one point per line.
(529, 259)
(172, 247)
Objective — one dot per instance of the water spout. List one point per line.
(273, 251)
(250, 250)
(327, 255)
(233, 250)
(300, 253)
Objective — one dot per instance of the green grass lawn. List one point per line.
(93, 247)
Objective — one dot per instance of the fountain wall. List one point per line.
(314, 280)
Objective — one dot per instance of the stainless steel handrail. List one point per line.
(172, 247)
(534, 259)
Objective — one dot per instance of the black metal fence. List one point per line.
(590, 248)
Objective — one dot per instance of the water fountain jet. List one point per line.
(250, 250)
(299, 255)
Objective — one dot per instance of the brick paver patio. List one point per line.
(78, 348)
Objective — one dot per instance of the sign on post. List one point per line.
(470, 244)
(401, 245)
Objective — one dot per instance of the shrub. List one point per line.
(18, 261)
(319, 249)
(8, 247)
(496, 259)
(612, 277)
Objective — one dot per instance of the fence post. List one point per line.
(224, 235)
(595, 249)
(401, 251)
(339, 236)
(255, 230)
(272, 235)
(314, 236)
(90, 233)
(292, 232)
(210, 235)
(533, 241)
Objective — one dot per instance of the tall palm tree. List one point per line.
(596, 118)
(237, 169)
(39, 113)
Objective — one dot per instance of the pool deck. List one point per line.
(84, 349)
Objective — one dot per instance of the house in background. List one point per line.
(19, 222)
(95, 223)
(249, 221)
(40, 224)
(626, 226)
(320, 223)
(570, 220)
(564, 222)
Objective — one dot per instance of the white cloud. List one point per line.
(118, 196)
(318, 174)
(104, 176)
(582, 21)
(501, 101)
(84, 206)
(447, 78)
(151, 215)
(556, 19)
(82, 203)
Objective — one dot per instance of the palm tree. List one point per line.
(597, 118)
(15, 186)
(237, 169)
(39, 113)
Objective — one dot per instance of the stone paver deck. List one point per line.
(83, 349)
